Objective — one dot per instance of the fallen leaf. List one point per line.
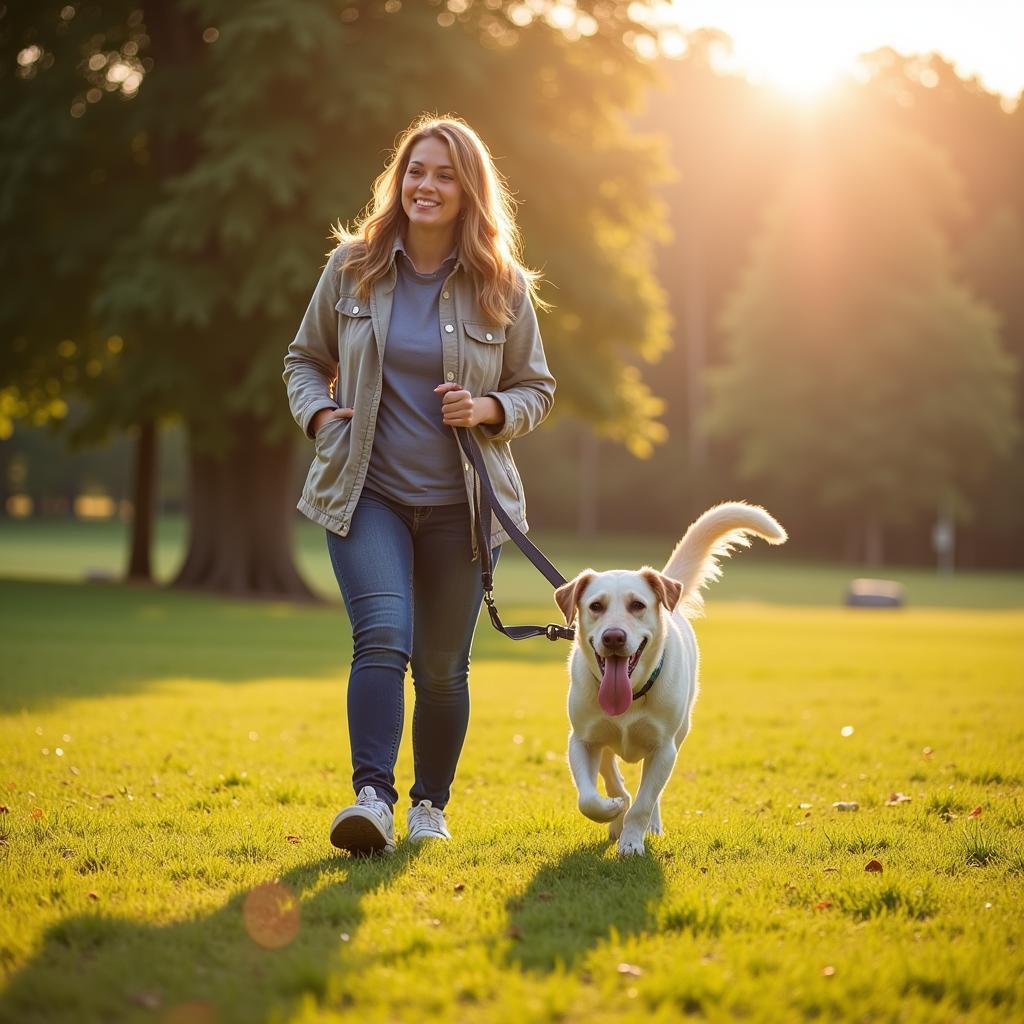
(294, 840)
(147, 1000)
(37, 812)
(823, 905)
(94, 896)
(830, 869)
(630, 969)
(976, 813)
(4, 809)
(897, 798)
(846, 805)
(829, 971)
(927, 753)
(459, 886)
(873, 866)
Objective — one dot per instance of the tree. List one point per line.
(261, 125)
(860, 375)
(984, 142)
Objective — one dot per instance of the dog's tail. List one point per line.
(694, 563)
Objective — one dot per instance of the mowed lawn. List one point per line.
(169, 765)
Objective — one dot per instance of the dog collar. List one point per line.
(650, 682)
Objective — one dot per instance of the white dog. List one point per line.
(633, 668)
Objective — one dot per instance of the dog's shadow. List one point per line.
(588, 897)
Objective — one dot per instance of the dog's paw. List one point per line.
(600, 808)
(631, 846)
(615, 827)
(655, 829)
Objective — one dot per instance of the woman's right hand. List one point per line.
(329, 414)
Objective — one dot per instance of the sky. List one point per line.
(772, 37)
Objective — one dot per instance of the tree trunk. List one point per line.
(694, 337)
(241, 517)
(587, 505)
(874, 541)
(143, 504)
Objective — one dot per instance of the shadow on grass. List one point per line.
(79, 640)
(231, 965)
(579, 902)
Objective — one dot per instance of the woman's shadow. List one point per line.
(586, 898)
(271, 946)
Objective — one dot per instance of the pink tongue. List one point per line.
(616, 693)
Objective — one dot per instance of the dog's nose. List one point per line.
(613, 638)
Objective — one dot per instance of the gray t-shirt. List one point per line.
(415, 457)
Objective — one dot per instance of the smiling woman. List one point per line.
(422, 323)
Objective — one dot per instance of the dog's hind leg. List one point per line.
(615, 786)
(583, 762)
(655, 827)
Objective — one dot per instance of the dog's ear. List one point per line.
(567, 596)
(668, 590)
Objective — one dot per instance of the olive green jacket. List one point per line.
(336, 359)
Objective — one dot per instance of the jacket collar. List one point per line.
(399, 247)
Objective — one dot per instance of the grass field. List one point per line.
(170, 764)
(61, 550)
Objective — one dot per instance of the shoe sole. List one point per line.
(430, 837)
(359, 834)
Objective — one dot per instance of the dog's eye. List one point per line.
(596, 606)
(637, 606)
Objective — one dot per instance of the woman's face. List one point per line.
(431, 194)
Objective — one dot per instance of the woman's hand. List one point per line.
(460, 409)
(320, 418)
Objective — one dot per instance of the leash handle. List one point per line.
(486, 502)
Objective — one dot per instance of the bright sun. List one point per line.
(795, 65)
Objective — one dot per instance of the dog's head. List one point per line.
(619, 620)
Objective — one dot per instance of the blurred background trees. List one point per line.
(817, 310)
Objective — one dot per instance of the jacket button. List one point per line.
(465, 466)
(449, 328)
(444, 295)
(449, 375)
(355, 309)
(489, 336)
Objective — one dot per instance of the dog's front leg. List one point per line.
(583, 761)
(658, 767)
(614, 786)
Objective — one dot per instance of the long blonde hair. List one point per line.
(488, 238)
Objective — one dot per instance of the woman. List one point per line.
(423, 321)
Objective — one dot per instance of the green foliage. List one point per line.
(859, 373)
(199, 233)
(125, 897)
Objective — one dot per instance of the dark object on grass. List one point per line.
(864, 593)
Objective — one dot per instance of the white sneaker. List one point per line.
(427, 822)
(366, 827)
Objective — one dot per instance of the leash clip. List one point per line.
(555, 632)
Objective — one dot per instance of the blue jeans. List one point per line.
(413, 594)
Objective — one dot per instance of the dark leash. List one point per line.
(486, 503)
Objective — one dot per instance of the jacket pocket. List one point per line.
(352, 305)
(484, 334)
(325, 482)
(483, 354)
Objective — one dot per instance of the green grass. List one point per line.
(68, 550)
(165, 755)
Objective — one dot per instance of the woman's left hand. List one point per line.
(460, 409)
